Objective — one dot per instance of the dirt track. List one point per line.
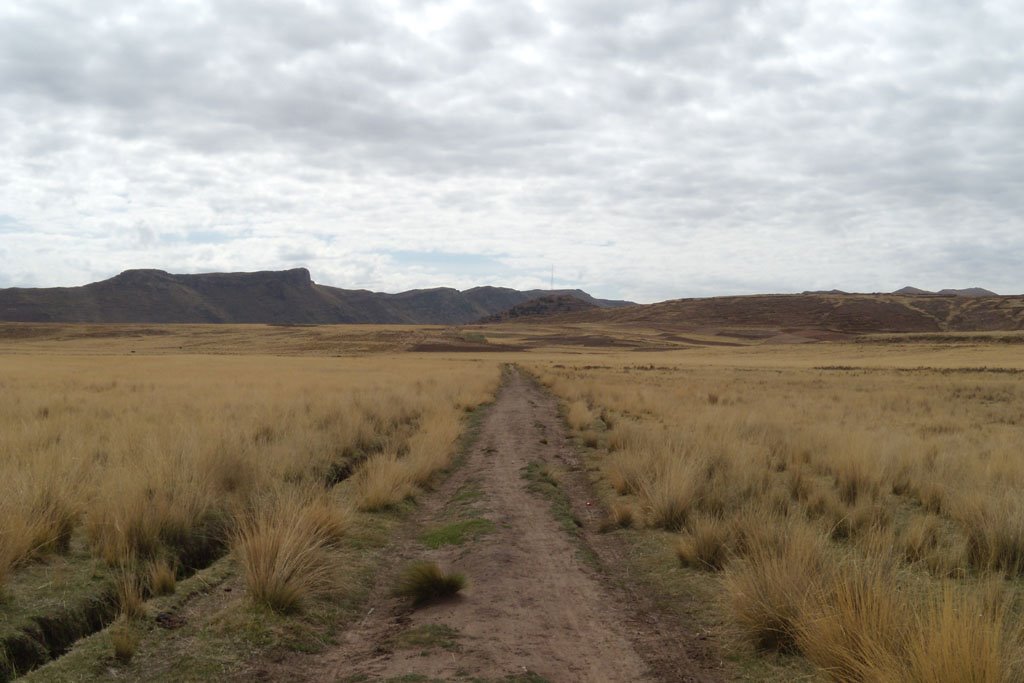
(532, 604)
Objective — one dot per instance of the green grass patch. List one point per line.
(427, 637)
(467, 495)
(544, 481)
(457, 533)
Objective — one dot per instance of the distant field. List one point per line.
(844, 510)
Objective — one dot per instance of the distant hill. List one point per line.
(542, 306)
(285, 297)
(970, 291)
(819, 316)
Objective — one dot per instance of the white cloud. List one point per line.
(650, 149)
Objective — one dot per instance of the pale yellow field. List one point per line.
(858, 504)
(159, 459)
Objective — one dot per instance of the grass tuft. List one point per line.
(125, 642)
(162, 579)
(425, 582)
(768, 589)
(706, 546)
(281, 546)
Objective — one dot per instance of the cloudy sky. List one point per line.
(648, 149)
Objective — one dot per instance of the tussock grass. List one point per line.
(707, 546)
(125, 642)
(958, 638)
(670, 492)
(162, 579)
(382, 482)
(578, 416)
(854, 624)
(920, 537)
(995, 533)
(130, 590)
(281, 546)
(424, 582)
(852, 514)
(154, 459)
(767, 590)
(620, 516)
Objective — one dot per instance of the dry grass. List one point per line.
(162, 579)
(854, 624)
(160, 458)
(125, 642)
(767, 590)
(707, 546)
(852, 510)
(130, 590)
(282, 544)
(383, 481)
(620, 516)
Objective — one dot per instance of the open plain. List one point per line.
(610, 502)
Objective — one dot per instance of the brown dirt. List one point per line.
(533, 603)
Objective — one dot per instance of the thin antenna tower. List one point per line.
(552, 277)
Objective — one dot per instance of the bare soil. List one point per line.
(540, 600)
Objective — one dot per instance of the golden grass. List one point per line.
(768, 589)
(161, 577)
(382, 481)
(159, 458)
(853, 506)
(707, 546)
(282, 545)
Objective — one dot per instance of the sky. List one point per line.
(644, 149)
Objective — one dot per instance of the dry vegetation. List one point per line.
(870, 520)
(158, 466)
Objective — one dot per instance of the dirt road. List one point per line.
(534, 603)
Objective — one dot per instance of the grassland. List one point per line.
(125, 475)
(864, 516)
(843, 510)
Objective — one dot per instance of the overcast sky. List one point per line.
(647, 149)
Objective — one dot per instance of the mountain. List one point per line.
(970, 291)
(540, 307)
(288, 297)
(818, 315)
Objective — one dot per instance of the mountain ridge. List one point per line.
(818, 316)
(288, 296)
